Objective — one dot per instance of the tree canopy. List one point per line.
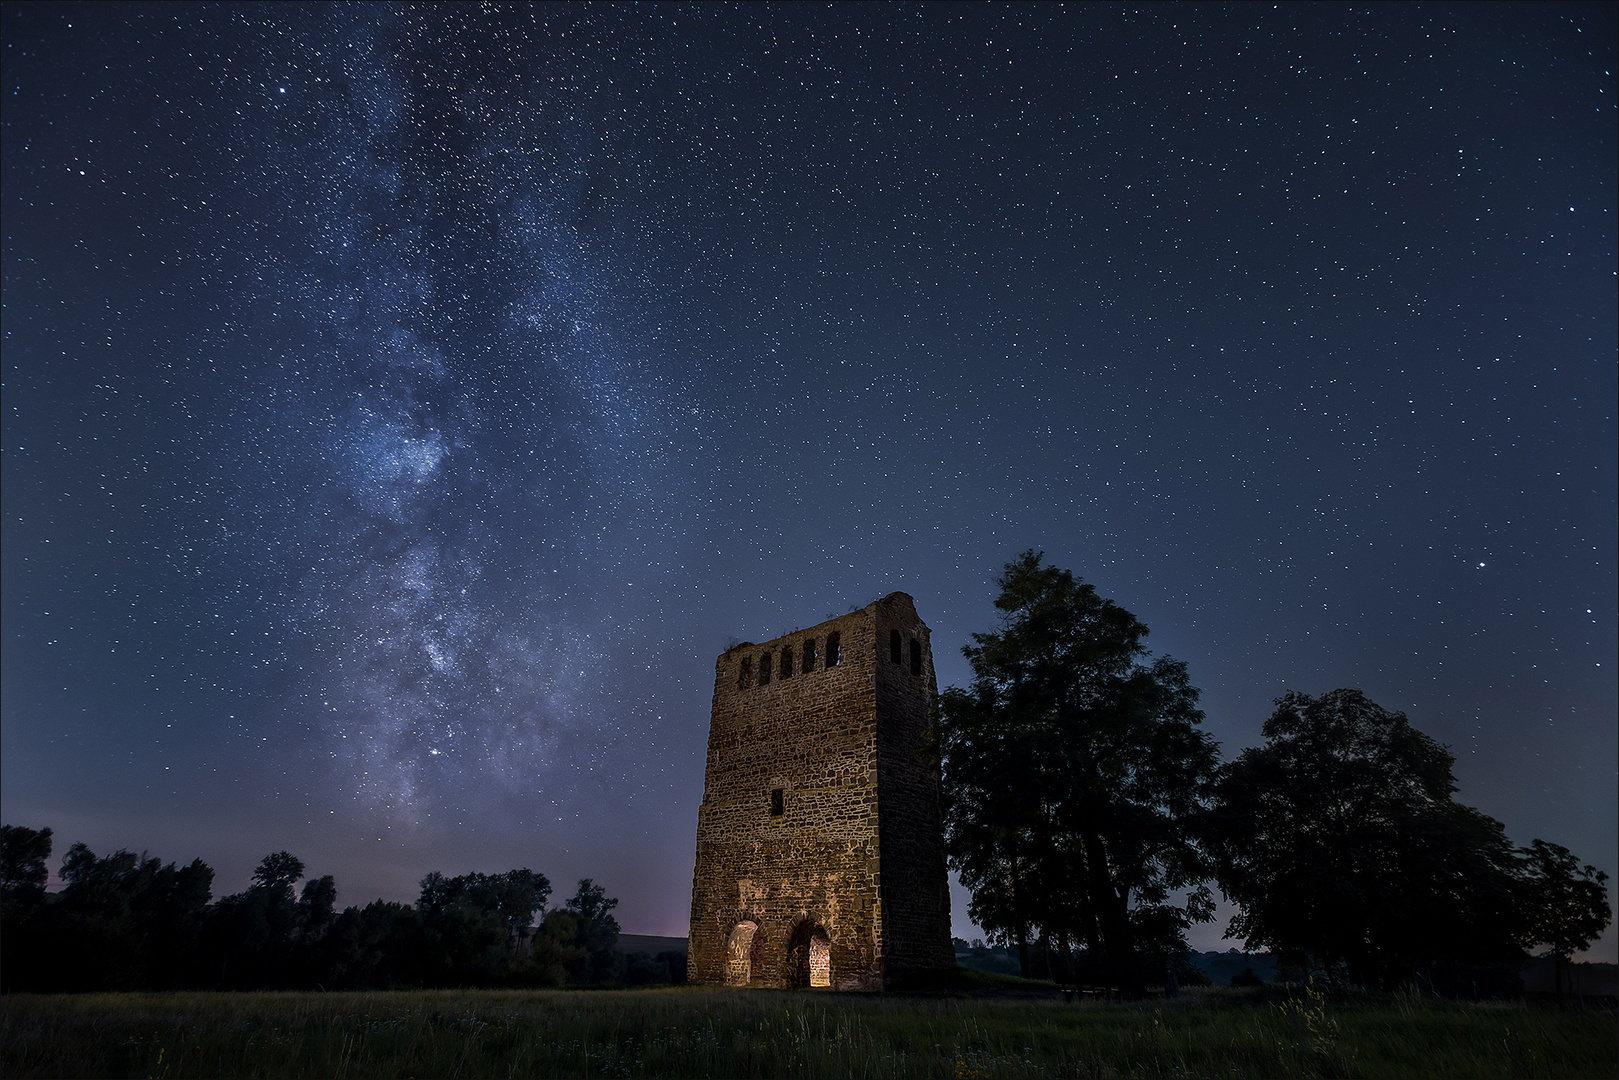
(23, 872)
(596, 933)
(129, 922)
(1074, 774)
(1339, 839)
(1566, 904)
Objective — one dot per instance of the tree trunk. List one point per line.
(1113, 913)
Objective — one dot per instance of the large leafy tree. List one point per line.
(377, 947)
(23, 872)
(1074, 773)
(127, 922)
(1339, 839)
(266, 935)
(478, 926)
(597, 931)
(1567, 904)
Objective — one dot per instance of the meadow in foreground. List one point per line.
(710, 1032)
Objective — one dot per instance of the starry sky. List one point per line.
(405, 404)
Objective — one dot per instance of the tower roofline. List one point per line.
(870, 608)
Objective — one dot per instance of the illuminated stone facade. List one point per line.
(819, 855)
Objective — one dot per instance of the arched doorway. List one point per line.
(743, 952)
(809, 957)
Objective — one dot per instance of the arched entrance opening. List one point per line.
(809, 957)
(743, 952)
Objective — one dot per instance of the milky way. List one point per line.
(451, 412)
(405, 404)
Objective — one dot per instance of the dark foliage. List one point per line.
(23, 872)
(596, 936)
(645, 969)
(1566, 905)
(1341, 844)
(479, 930)
(127, 922)
(377, 947)
(1074, 774)
(124, 922)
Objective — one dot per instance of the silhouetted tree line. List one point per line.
(128, 922)
(1087, 814)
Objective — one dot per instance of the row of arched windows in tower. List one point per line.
(785, 664)
(782, 666)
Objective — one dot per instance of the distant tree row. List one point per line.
(1087, 813)
(128, 922)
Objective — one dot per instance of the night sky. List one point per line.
(404, 405)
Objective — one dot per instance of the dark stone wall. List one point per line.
(914, 885)
(854, 851)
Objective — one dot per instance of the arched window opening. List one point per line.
(832, 643)
(778, 802)
(745, 673)
(893, 646)
(916, 657)
(764, 669)
(787, 661)
(809, 655)
(739, 953)
(809, 958)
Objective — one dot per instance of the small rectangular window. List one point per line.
(809, 655)
(916, 657)
(764, 669)
(893, 646)
(745, 673)
(778, 803)
(832, 643)
(787, 661)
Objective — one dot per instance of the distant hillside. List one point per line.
(1220, 966)
(650, 944)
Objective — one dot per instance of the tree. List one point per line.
(596, 933)
(554, 952)
(265, 937)
(1567, 903)
(23, 872)
(1339, 839)
(317, 905)
(276, 874)
(126, 922)
(481, 926)
(1074, 774)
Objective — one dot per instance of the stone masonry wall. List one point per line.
(817, 819)
(915, 883)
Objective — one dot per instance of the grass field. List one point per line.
(722, 1033)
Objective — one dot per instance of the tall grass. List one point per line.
(722, 1033)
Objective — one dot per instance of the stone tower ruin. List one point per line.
(820, 861)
